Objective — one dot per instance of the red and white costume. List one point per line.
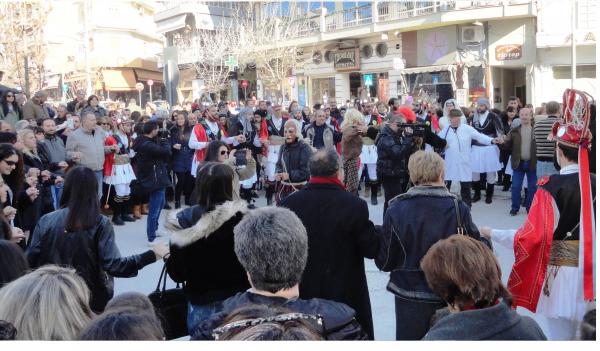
(203, 133)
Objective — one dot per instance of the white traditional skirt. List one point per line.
(509, 169)
(485, 159)
(368, 154)
(121, 174)
(566, 295)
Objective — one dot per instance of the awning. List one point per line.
(144, 75)
(119, 79)
(426, 69)
(171, 24)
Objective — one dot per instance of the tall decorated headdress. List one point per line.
(573, 132)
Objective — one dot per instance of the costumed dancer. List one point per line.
(274, 125)
(207, 130)
(450, 105)
(485, 159)
(554, 270)
(368, 155)
(292, 170)
(118, 172)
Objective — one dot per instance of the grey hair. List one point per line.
(324, 163)
(272, 245)
(89, 115)
(552, 107)
(162, 113)
(40, 93)
(22, 124)
(244, 111)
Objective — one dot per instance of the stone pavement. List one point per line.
(131, 239)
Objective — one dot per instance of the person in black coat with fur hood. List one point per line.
(201, 244)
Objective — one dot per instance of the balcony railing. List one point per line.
(354, 17)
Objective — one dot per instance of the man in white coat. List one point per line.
(457, 156)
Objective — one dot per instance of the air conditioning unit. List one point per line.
(472, 34)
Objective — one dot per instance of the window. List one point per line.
(564, 72)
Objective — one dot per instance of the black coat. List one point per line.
(499, 322)
(432, 215)
(29, 212)
(93, 253)
(202, 252)
(296, 158)
(393, 152)
(182, 158)
(340, 236)
(152, 160)
(339, 321)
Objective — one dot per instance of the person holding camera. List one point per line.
(153, 153)
(394, 147)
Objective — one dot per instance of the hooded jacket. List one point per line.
(393, 152)
(202, 252)
(498, 322)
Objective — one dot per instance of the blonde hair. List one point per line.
(352, 118)
(425, 167)
(21, 135)
(50, 303)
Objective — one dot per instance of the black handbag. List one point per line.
(171, 307)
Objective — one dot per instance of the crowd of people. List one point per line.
(294, 271)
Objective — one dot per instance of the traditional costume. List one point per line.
(203, 133)
(118, 174)
(274, 126)
(368, 157)
(486, 158)
(553, 274)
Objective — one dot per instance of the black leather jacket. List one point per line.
(93, 253)
(339, 322)
(393, 152)
(294, 159)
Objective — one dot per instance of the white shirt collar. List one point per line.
(570, 169)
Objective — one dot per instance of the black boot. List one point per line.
(126, 210)
(477, 191)
(117, 210)
(269, 194)
(506, 182)
(374, 194)
(489, 193)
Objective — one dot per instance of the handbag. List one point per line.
(171, 307)
(460, 228)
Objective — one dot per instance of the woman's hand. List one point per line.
(32, 181)
(486, 232)
(33, 172)
(160, 250)
(45, 175)
(9, 212)
(32, 192)
(17, 235)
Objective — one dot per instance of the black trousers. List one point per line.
(392, 187)
(465, 191)
(413, 317)
(185, 186)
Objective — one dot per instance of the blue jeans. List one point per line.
(517, 183)
(157, 202)
(99, 177)
(56, 191)
(197, 314)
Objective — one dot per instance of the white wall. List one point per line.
(507, 32)
(427, 37)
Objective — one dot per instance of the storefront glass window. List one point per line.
(476, 82)
(322, 89)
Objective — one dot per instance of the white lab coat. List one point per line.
(458, 151)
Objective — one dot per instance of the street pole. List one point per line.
(150, 87)
(573, 44)
(140, 92)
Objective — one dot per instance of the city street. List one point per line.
(131, 239)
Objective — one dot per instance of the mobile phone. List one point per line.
(70, 124)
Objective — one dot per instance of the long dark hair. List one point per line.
(212, 151)
(181, 134)
(13, 263)
(15, 179)
(81, 198)
(214, 184)
(4, 103)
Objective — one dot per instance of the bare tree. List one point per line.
(22, 28)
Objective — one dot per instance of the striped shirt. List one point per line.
(541, 130)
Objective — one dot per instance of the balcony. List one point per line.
(388, 13)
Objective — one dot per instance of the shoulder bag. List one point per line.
(460, 228)
(170, 306)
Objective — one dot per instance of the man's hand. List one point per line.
(9, 212)
(32, 181)
(33, 172)
(240, 138)
(160, 250)
(59, 180)
(282, 176)
(17, 235)
(63, 165)
(45, 175)
(177, 146)
(32, 193)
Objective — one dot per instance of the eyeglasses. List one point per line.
(282, 318)
(10, 163)
(223, 152)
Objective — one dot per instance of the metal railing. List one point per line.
(353, 17)
(394, 10)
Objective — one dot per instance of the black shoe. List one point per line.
(373, 194)
(127, 218)
(166, 207)
(117, 220)
(253, 194)
(188, 202)
(177, 204)
(476, 192)
(489, 193)
(269, 202)
(513, 213)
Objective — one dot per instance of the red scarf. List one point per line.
(326, 180)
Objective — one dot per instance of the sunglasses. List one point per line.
(223, 152)
(104, 124)
(10, 163)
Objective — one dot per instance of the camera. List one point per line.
(418, 130)
(163, 133)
